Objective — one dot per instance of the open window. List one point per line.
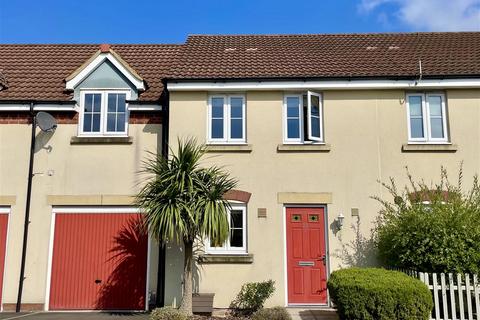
(303, 118)
(314, 117)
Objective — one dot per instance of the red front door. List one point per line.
(99, 262)
(306, 256)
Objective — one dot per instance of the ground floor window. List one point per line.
(237, 242)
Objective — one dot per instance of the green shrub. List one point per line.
(276, 313)
(167, 313)
(252, 297)
(430, 228)
(378, 294)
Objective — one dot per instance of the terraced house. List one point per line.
(307, 123)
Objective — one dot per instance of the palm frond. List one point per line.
(182, 200)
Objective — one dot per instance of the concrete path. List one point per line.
(309, 314)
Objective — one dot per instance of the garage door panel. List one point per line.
(97, 258)
(3, 248)
(127, 256)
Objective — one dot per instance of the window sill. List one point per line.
(226, 258)
(429, 147)
(229, 148)
(304, 148)
(101, 140)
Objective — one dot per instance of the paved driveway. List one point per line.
(297, 314)
(73, 316)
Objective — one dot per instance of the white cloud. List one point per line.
(430, 15)
(369, 5)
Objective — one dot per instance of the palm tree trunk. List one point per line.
(186, 305)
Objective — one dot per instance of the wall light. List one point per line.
(340, 219)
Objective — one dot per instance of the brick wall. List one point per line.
(22, 117)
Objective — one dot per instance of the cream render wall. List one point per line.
(77, 170)
(366, 130)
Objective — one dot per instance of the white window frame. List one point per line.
(226, 120)
(309, 116)
(427, 132)
(302, 139)
(226, 249)
(103, 112)
(286, 139)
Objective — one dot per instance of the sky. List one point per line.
(171, 21)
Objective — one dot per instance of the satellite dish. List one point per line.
(46, 122)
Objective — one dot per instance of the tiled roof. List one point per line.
(391, 55)
(3, 81)
(38, 72)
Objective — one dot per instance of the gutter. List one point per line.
(69, 106)
(25, 105)
(138, 105)
(305, 79)
(346, 84)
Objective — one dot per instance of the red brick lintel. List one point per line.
(237, 195)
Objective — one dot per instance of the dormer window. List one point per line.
(104, 84)
(104, 112)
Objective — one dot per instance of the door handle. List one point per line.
(323, 259)
(98, 281)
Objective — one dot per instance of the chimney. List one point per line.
(104, 48)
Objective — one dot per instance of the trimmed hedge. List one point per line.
(377, 294)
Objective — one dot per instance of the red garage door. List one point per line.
(3, 244)
(99, 262)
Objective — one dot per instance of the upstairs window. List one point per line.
(237, 242)
(427, 118)
(226, 119)
(103, 113)
(303, 118)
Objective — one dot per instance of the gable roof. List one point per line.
(317, 56)
(38, 72)
(103, 54)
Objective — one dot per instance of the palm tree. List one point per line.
(183, 202)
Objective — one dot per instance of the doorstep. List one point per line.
(312, 313)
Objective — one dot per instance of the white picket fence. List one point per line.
(455, 296)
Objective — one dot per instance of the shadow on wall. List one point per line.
(173, 274)
(198, 250)
(126, 285)
(156, 129)
(360, 252)
(41, 140)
